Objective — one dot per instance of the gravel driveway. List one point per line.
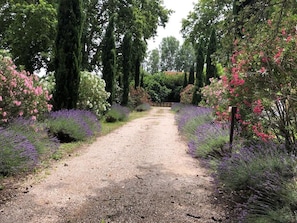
(138, 173)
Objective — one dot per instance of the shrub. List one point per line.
(186, 94)
(73, 125)
(117, 113)
(137, 97)
(176, 107)
(37, 134)
(92, 95)
(208, 139)
(189, 117)
(20, 93)
(263, 176)
(215, 95)
(17, 153)
(143, 107)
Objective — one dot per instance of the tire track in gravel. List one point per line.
(138, 173)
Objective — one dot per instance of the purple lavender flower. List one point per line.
(16, 152)
(77, 124)
(189, 112)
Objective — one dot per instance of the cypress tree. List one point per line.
(211, 70)
(127, 65)
(192, 75)
(199, 76)
(185, 80)
(109, 60)
(137, 72)
(68, 54)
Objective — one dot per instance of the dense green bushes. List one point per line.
(163, 87)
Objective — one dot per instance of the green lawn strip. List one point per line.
(108, 127)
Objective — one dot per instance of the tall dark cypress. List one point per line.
(185, 80)
(137, 72)
(199, 67)
(127, 65)
(68, 54)
(109, 60)
(199, 83)
(192, 75)
(211, 70)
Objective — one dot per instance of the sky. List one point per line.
(181, 9)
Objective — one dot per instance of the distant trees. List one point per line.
(171, 56)
(68, 54)
(169, 49)
(154, 61)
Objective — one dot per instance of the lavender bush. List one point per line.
(73, 125)
(36, 133)
(143, 107)
(263, 176)
(117, 113)
(208, 140)
(17, 153)
(189, 117)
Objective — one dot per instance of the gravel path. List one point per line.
(138, 173)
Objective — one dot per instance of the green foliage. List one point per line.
(36, 133)
(68, 54)
(137, 97)
(73, 125)
(186, 95)
(191, 75)
(28, 31)
(126, 66)
(185, 57)
(154, 61)
(143, 107)
(117, 113)
(211, 145)
(185, 83)
(109, 60)
(24, 143)
(169, 49)
(263, 175)
(211, 70)
(92, 95)
(205, 16)
(156, 87)
(17, 154)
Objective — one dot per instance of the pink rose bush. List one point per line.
(21, 94)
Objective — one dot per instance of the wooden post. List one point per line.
(233, 112)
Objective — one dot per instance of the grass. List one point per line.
(107, 127)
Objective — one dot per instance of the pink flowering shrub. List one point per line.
(215, 95)
(186, 95)
(20, 93)
(261, 82)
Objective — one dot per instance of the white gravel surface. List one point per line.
(138, 173)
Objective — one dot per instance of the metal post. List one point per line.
(233, 112)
